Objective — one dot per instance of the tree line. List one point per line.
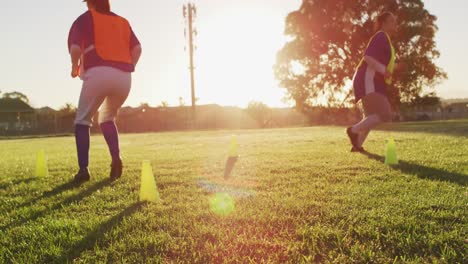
(328, 39)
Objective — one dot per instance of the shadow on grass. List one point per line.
(424, 172)
(90, 240)
(451, 127)
(4, 185)
(72, 199)
(56, 191)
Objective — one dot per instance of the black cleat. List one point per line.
(116, 170)
(82, 176)
(353, 137)
(358, 149)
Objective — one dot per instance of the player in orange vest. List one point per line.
(104, 52)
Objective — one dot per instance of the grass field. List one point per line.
(299, 195)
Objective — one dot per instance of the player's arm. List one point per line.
(75, 55)
(74, 48)
(375, 64)
(135, 48)
(136, 54)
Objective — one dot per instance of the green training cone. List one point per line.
(391, 157)
(148, 189)
(41, 165)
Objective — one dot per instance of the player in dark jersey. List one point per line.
(104, 52)
(372, 77)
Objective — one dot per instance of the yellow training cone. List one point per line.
(148, 189)
(41, 165)
(233, 148)
(391, 157)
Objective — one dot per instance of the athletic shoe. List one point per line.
(116, 170)
(82, 176)
(353, 137)
(358, 149)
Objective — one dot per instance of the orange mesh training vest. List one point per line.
(112, 37)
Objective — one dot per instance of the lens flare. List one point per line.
(222, 204)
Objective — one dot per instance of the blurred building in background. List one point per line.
(16, 115)
(18, 118)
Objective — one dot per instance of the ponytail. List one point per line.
(101, 6)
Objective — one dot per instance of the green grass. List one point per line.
(299, 196)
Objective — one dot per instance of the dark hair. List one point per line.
(101, 6)
(381, 19)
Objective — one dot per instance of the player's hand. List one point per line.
(75, 71)
(387, 74)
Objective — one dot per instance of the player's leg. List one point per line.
(119, 90)
(381, 107)
(367, 124)
(89, 103)
(359, 132)
(362, 138)
(357, 140)
(377, 109)
(368, 110)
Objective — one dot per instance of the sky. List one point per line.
(236, 49)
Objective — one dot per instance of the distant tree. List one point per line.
(68, 108)
(164, 104)
(428, 100)
(260, 112)
(16, 95)
(144, 107)
(181, 101)
(327, 41)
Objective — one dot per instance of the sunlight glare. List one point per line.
(236, 53)
(222, 204)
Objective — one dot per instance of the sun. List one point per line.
(235, 56)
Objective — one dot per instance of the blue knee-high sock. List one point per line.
(109, 130)
(82, 145)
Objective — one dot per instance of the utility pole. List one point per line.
(190, 14)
